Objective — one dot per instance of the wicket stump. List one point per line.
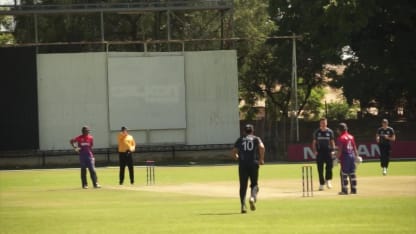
(307, 184)
(150, 172)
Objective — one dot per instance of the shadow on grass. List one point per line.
(67, 189)
(223, 213)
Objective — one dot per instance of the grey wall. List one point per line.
(149, 85)
(81, 89)
(212, 97)
(72, 92)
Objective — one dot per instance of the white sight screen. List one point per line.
(147, 92)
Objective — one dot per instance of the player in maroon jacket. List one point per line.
(83, 145)
(347, 155)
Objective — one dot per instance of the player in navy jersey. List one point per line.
(249, 151)
(384, 136)
(323, 143)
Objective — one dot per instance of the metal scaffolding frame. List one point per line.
(133, 7)
(153, 6)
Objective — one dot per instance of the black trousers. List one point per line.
(246, 172)
(324, 159)
(126, 159)
(384, 155)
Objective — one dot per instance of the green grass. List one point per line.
(51, 201)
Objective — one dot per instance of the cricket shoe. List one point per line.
(321, 187)
(252, 203)
(243, 209)
(97, 186)
(328, 184)
(85, 187)
(384, 171)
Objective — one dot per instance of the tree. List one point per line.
(384, 62)
(6, 26)
(252, 22)
(272, 66)
(380, 35)
(339, 111)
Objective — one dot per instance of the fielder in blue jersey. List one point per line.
(249, 151)
(323, 143)
(385, 135)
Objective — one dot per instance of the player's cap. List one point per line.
(249, 128)
(342, 127)
(124, 128)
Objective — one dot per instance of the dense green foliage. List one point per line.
(374, 39)
(383, 65)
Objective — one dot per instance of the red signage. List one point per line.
(400, 149)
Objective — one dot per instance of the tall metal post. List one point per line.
(35, 18)
(102, 26)
(294, 120)
(168, 28)
(222, 30)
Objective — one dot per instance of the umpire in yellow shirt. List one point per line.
(126, 147)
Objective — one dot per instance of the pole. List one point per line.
(294, 121)
(295, 75)
(326, 109)
(35, 17)
(168, 31)
(102, 26)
